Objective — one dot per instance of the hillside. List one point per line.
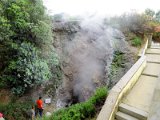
(64, 58)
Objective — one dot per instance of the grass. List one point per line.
(136, 42)
(81, 111)
(117, 63)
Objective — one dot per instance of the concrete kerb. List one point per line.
(120, 89)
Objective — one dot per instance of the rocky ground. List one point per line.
(86, 52)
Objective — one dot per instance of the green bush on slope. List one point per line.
(16, 111)
(26, 40)
(136, 42)
(82, 110)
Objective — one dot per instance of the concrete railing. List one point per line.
(124, 85)
(144, 48)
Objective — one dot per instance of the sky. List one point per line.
(100, 7)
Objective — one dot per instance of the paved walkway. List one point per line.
(154, 112)
(140, 96)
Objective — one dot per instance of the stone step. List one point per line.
(123, 116)
(152, 69)
(155, 47)
(153, 58)
(153, 62)
(153, 51)
(132, 111)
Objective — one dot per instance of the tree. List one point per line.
(158, 16)
(132, 22)
(25, 35)
(150, 12)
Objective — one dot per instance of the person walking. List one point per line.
(32, 113)
(40, 106)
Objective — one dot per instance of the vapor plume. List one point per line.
(90, 53)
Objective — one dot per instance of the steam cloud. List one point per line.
(90, 54)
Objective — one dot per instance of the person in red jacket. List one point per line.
(40, 106)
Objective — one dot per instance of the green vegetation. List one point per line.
(16, 111)
(81, 111)
(150, 12)
(157, 16)
(27, 56)
(117, 63)
(136, 42)
(156, 36)
(26, 50)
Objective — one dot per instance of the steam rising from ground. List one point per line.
(90, 54)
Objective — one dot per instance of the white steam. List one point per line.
(87, 48)
(91, 53)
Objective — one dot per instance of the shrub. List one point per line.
(117, 63)
(26, 44)
(99, 95)
(82, 110)
(25, 69)
(16, 111)
(136, 42)
(156, 36)
(75, 112)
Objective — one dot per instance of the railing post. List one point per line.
(149, 36)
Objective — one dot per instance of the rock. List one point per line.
(48, 114)
(86, 49)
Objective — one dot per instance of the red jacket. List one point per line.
(40, 104)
